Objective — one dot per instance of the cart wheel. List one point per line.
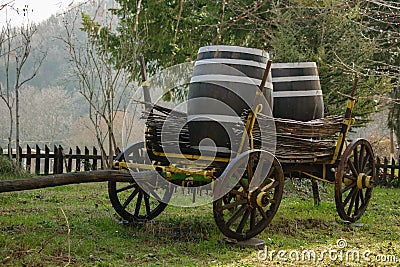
(247, 210)
(354, 180)
(130, 201)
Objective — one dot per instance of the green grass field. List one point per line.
(76, 225)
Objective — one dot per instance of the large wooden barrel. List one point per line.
(297, 91)
(224, 84)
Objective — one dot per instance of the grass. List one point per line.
(9, 170)
(35, 232)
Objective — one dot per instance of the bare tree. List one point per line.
(104, 86)
(6, 39)
(4, 4)
(16, 50)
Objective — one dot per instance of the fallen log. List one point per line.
(72, 178)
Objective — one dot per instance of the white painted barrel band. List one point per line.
(297, 93)
(295, 79)
(237, 49)
(294, 65)
(214, 117)
(228, 78)
(231, 62)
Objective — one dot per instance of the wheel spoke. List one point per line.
(237, 214)
(243, 221)
(257, 178)
(347, 187)
(252, 218)
(130, 198)
(271, 172)
(367, 158)
(362, 197)
(349, 196)
(270, 185)
(147, 204)
(361, 158)
(234, 204)
(126, 188)
(243, 184)
(237, 192)
(357, 202)
(262, 212)
(348, 176)
(138, 204)
(153, 193)
(368, 172)
(352, 168)
(355, 155)
(352, 202)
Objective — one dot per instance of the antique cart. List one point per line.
(247, 182)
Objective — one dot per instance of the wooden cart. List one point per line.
(254, 176)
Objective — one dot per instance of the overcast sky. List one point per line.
(38, 10)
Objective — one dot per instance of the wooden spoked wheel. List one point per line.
(248, 208)
(354, 180)
(129, 200)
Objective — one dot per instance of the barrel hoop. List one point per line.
(214, 117)
(235, 49)
(228, 78)
(227, 61)
(297, 93)
(295, 79)
(297, 65)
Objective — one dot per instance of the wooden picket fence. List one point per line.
(387, 172)
(43, 162)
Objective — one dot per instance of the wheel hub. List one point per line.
(263, 199)
(347, 181)
(259, 198)
(364, 181)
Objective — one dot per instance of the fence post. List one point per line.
(385, 167)
(78, 159)
(46, 160)
(37, 161)
(398, 171)
(377, 174)
(392, 167)
(28, 158)
(60, 159)
(94, 165)
(20, 156)
(55, 165)
(69, 163)
(86, 162)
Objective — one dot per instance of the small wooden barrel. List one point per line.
(297, 91)
(224, 84)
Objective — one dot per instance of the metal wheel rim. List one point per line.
(138, 205)
(251, 219)
(351, 201)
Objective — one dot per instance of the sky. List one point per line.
(38, 10)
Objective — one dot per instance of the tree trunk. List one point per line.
(17, 155)
(73, 178)
(10, 134)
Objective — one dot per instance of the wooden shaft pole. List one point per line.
(72, 178)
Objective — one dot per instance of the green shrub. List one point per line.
(9, 169)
